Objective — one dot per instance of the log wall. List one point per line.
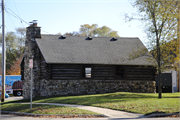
(69, 79)
(98, 72)
(140, 73)
(103, 72)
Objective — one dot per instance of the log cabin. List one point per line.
(72, 65)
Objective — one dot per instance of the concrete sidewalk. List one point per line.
(13, 117)
(108, 112)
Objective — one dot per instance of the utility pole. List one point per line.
(178, 79)
(3, 55)
(178, 37)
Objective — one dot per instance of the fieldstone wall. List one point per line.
(73, 87)
(31, 52)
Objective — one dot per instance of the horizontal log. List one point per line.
(66, 66)
(65, 78)
(65, 75)
(139, 67)
(96, 73)
(140, 79)
(103, 75)
(138, 70)
(103, 66)
(103, 78)
(64, 72)
(139, 73)
(144, 79)
(138, 76)
(132, 66)
(65, 69)
(109, 68)
(103, 70)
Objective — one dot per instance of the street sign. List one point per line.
(31, 63)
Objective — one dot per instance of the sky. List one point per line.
(61, 16)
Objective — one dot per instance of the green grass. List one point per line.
(44, 109)
(143, 103)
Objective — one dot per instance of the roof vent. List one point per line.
(63, 37)
(90, 38)
(113, 39)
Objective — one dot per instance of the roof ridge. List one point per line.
(91, 36)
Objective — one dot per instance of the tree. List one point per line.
(74, 33)
(15, 68)
(160, 19)
(21, 37)
(105, 31)
(87, 30)
(94, 30)
(11, 41)
(14, 46)
(11, 46)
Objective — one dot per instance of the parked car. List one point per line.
(6, 95)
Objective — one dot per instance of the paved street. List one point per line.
(14, 98)
(11, 117)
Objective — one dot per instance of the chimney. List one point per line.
(34, 24)
(33, 30)
(31, 52)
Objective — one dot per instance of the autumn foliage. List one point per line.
(15, 68)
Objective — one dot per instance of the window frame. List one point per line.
(83, 71)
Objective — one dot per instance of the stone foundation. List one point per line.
(76, 87)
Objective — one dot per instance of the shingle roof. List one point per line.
(99, 50)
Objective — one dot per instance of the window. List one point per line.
(120, 71)
(86, 71)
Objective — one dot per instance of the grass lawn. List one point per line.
(44, 109)
(143, 103)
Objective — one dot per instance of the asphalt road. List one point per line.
(12, 117)
(14, 98)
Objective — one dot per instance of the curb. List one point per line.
(52, 115)
(162, 115)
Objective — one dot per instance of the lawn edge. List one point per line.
(155, 115)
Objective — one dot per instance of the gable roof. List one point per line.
(99, 50)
